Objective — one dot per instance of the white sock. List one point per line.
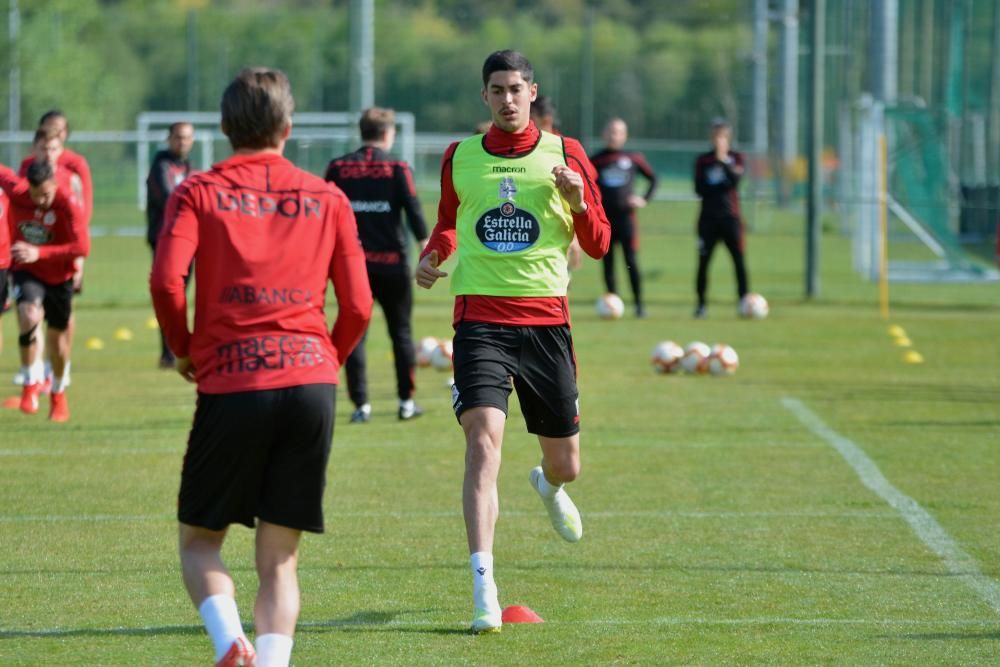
(34, 373)
(65, 377)
(484, 588)
(546, 488)
(59, 384)
(48, 368)
(273, 650)
(222, 621)
(407, 405)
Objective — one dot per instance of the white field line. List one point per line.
(38, 633)
(456, 514)
(930, 532)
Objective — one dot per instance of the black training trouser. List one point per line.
(394, 293)
(729, 230)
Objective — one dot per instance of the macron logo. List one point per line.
(481, 571)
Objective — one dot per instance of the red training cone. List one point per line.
(518, 614)
(12, 403)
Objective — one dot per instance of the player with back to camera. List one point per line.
(4, 264)
(169, 169)
(510, 202)
(381, 189)
(717, 175)
(616, 172)
(267, 237)
(48, 234)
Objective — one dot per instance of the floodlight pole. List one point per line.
(817, 84)
(14, 81)
(362, 55)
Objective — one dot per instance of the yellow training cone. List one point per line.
(913, 357)
(903, 341)
(123, 334)
(94, 344)
(897, 331)
(152, 324)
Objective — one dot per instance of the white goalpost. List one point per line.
(317, 138)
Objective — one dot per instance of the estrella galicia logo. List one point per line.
(507, 228)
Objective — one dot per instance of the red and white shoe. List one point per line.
(46, 385)
(29, 398)
(240, 654)
(59, 408)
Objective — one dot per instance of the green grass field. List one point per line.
(720, 527)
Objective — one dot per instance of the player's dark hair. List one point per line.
(257, 108)
(40, 171)
(48, 118)
(181, 123)
(45, 133)
(375, 122)
(543, 106)
(507, 61)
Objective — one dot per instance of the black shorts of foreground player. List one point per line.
(511, 201)
(265, 368)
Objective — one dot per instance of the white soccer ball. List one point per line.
(424, 350)
(723, 360)
(666, 357)
(695, 359)
(610, 307)
(441, 356)
(754, 306)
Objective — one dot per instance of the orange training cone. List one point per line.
(518, 614)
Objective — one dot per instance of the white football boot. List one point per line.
(563, 514)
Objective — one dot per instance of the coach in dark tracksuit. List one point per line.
(616, 172)
(716, 179)
(380, 188)
(169, 169)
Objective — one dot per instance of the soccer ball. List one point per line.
(441, 355)
(754, 306)
(723, 360)
(610, 307)
(667, 357)
(424, 350)
(695, 359)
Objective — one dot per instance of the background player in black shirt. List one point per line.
(616, 172)
(716, 178)
(380, 187)
(169, 169)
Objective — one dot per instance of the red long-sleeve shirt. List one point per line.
(265, 237)
(59, 232)
(592, 230)
(5, 259)
(81, 189)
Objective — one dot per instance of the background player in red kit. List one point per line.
(505, 339)
(47, 234)
(717, 176)
(380, 189)
(616, 172)
(266, 237)
(169, 169)
(4, 259)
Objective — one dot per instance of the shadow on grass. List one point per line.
(948, 636)
(361, 621)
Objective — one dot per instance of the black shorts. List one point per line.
(492, 359)
(258, 454)
(4, 289)
(56, 300)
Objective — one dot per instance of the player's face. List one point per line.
(720, 139)
(45, 194)
(615, 135)
(181, 140)
(509, 98)
(49, 151)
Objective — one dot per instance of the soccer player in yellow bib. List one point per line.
(511, 201)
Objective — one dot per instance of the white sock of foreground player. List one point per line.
(274, 650)
(484, 588)
(546, 488)
(222, 620)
